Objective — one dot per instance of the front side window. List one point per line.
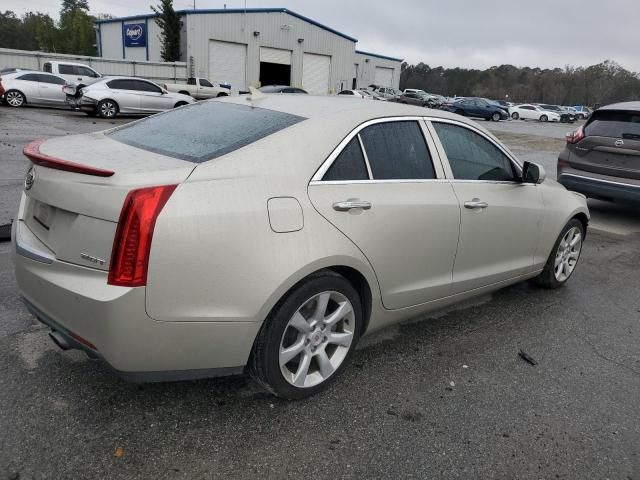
(143, 86)
(349, 165)
(120, 84)
(205, 83)
(85, 72)
(397, 150)
(473, 157)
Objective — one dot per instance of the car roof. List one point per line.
(622, 106)
(349, 110)
(69, 63)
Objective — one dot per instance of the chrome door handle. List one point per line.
(476, 203)
(351, 204)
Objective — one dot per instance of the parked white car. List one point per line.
(533, 112)
(198, 88)
(109, 96)
(357, 94)
(269, 235)
(71, 72)
(26, 87)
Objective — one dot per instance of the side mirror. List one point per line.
(164, 92)
(533, 173)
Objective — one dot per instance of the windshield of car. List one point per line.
(614, 124)
(203, 131)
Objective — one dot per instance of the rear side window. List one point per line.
(349, 165)
(397, 150)
(473, 157)
(66, 69)
(50, 79)
(203, 131)
(615, 124)
(31, 77)
(47, 67)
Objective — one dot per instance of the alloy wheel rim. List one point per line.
(317, 339)
(14, 99)
(108, 109)
(567, 254)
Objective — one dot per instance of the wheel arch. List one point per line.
(184, 92)
(584, 220)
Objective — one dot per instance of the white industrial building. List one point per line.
(254, 47)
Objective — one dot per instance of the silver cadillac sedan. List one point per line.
(267, 235)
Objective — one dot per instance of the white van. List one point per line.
(72, 72)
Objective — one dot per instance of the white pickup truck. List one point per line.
(198, 88)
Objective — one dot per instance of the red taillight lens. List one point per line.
(132, 243)
(575, 137)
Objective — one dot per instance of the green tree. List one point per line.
(10, 30)
(76, 32)
(170, 24)
(39, 32)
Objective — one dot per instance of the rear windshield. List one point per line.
(204, 131)
(615, 124)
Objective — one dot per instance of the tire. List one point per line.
(180, 104)
(569, 256)
(107, 109)
(515, 115)
(15, 98)
(459, 112)
(496, 116)
(303, 346)
(543, 118)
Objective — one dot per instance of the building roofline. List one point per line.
(234, 10)
(360, 52)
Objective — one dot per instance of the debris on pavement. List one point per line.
(527, 358)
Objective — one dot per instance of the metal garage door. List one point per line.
(275, 55)
(227, 64)
(384, 76)
(315, 73)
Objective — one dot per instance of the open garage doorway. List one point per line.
(275, 66)
(274, 74)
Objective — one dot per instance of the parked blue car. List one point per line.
(479, 108)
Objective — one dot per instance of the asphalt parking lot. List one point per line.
(445, 396)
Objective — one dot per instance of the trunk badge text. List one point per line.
(92, 259)
(30, 178)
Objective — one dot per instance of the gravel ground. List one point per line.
(445, 396)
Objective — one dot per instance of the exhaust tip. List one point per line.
(59, 340)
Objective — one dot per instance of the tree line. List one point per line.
(604, 83)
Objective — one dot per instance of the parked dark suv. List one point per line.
(602, 158)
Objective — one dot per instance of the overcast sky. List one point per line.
(452, 33)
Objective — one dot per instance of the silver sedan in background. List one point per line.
(109, 96)
(25, 87)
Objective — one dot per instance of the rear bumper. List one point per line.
(77, 303)
(614, 189)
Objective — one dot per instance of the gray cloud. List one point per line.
(464, 33)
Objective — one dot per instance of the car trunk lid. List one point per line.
(76, 189)
(611, 145)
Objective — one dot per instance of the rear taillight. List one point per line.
(132, 243)
(575, 137)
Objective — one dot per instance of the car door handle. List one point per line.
(475, 203)
(351, 204)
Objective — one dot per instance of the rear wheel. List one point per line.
(564, 257)
(183, 92)
(309, 337)
(222, 94)
(14, 98)
(515, 115)
(107, 109)
(543, 118)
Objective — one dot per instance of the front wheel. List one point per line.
(107, 109)
(309, 337)
(14, 98)
(543, 118)
(180, 104)
(495, 117)
(564, 257)
(515, 115)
